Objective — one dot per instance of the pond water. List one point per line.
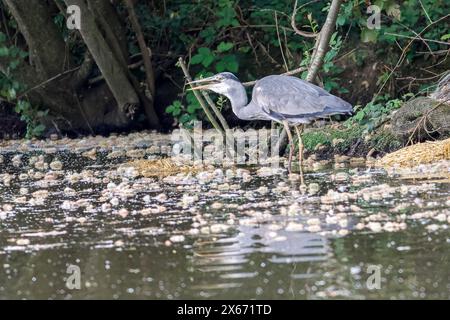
(231, 233)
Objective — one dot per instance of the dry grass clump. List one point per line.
(162, 167)
(421, 153)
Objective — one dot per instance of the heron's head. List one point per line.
(221, 83)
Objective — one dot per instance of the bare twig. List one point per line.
(436, 53)
(280, 44)
(47, 81)
(418, 37)
(266, 52)
(146, 52)
(101, 77)
(426, 12)
(289, 73)
(294, 25)
(253, 47)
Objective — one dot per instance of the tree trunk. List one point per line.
(55, 83)
(111, 63)
(323, 43)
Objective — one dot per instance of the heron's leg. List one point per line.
(299, 130)
(291, 145)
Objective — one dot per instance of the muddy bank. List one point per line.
(418, 120)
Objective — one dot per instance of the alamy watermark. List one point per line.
(73, 281)
(373, 282)
(374, 21)
(248, 147)
(74, 17)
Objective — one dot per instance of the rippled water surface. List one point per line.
(230, 233)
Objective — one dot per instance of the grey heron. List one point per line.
(285, 99)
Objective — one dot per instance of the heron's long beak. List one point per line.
(197, 84)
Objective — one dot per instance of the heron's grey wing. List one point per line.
(291, 97)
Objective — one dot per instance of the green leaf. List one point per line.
(185, 118)
(12, 93)
(170, 109)
(176, 112)
(198, 58)
(224, 46)
(359, 116)
(38, 130)
(14, 64)
(227, 18)
(228, 63)
(245, 49)
(340, 20)
(191, 109)
(368, 35)
(394, 11)
(208, 34)
(204, 51)
(190, 97)
(177, 104)
(23, 54)
(4, 51)
(445, 37)
(207, 61)
(221, 66)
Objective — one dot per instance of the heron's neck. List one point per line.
(238, 99)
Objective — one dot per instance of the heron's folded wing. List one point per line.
(290, 96)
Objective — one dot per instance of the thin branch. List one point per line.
(47, 82)
(294, 25)
(266, 52)
(425, 10)
(101, 77)
(289, 73)
(280, 44)
(418, 37)
(146, 52)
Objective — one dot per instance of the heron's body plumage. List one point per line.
(297, 101)
(277, 98)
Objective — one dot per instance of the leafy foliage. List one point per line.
(9, 89)
(32, 117)
(376, 112)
